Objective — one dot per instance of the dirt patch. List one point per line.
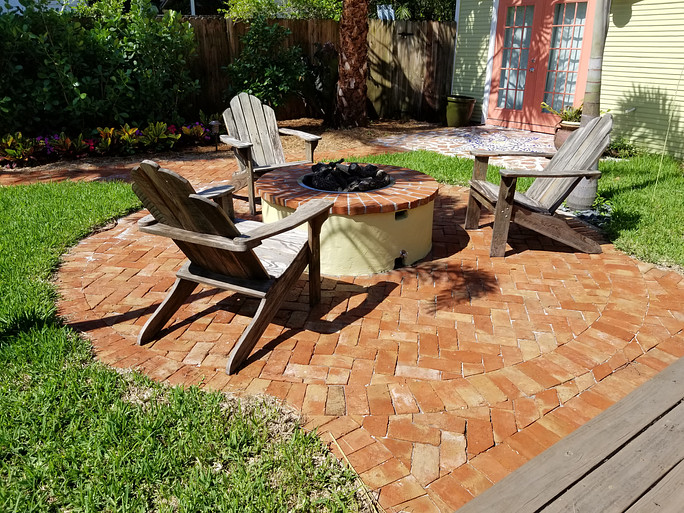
(359, 138)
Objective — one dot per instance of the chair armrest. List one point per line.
(586, 173)
(149, 225)
(217, 192)
(483, 153)
(235, 143)
(146, 221)
(299, 133)
(305, 213)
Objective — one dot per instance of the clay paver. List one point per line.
(471, 364)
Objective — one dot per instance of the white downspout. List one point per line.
(457, 15)
(490, 61)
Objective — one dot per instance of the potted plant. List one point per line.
(569, 122)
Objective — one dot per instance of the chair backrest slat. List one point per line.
(172, 201)
(248, 119)
(580, 151)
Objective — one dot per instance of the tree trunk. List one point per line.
(353, 64)
(592, 95)
(584, 195)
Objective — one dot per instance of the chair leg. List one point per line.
(315, 260)
(502, 216)
(268, 307)
(173, 301)
(472, 220)
(252, 200)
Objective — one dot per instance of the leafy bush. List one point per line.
(437, 10)
(621, 148)
(304, 9)
(98, 64)
(266, 68)
(18, 151)
(321, 80)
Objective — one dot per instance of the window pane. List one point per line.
(509, 16)
(508, 38)
(560, 82)
(569, 14)
(553, 60)
(522, 77)
(503, 83)
(519, 16)
(557, 102)
(527, 34)
(581, 13)
(510, 99)
(517, 37)
(518, 100)
(571, 83)
(567, 37)
(550, 81)
(513, 80)
(500, 103)
(574, 61)
(558, 14)
(563, 59)
(529, 15)
(515, 58)
(548, 97)
(555, 37)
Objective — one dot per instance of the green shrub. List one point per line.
(19, 151)
(304, 9)
(265, 67)
(98, 64)
(321, 80)
(621, 148)
(437, 10)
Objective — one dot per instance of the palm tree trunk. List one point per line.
(584, 195)
(353, 64)
(592, 95)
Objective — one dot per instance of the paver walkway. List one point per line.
(436, 380)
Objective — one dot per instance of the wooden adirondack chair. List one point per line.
(254, 135)
(535, 208)
(255, 259)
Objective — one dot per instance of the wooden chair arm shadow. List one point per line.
(254, 137)
(535, 208)
(260, 261)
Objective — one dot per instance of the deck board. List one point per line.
(666, 497)
(541, 481)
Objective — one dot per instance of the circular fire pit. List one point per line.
(367, 232)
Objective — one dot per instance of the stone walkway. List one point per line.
(436, 380)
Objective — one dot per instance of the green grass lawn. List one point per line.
(78, 436)
(647, 221)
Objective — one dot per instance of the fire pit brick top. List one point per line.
(411, 189)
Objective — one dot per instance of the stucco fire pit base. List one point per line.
(367, 231)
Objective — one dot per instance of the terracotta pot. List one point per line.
(563, 131)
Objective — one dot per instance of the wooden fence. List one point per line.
(410, 63)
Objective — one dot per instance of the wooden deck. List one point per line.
(630, 458)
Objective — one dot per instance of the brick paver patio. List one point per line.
(436, 380)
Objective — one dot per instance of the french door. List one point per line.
(541, 55)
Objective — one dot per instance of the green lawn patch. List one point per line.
(646, 224)
(647, 219)
(78, 436)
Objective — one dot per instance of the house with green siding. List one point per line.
(512, 55)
